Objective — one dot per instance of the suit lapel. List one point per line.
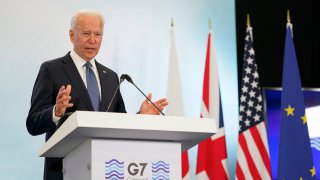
(106, 90)
(76, 81)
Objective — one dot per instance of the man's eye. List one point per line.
(85, 33)
(98, 34)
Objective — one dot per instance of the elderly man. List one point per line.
(76, 81)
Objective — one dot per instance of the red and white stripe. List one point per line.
(253, 161)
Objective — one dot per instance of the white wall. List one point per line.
(136, 42)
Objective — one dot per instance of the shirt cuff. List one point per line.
(55, 118)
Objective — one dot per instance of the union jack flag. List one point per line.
(212, 152)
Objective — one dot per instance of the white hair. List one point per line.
(75, 17)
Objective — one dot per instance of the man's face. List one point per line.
(86, 36)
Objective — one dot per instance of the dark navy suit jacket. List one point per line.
(52, 75)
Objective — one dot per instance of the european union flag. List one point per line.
(295, 155)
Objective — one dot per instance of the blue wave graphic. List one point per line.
(161, 177)
(114, 170)
(160, 171)
(160, 162)
(114, 160)
(114, 164)
(114, 176)
(315, 143)
(160, 165)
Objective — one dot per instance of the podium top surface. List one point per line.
(83, 125)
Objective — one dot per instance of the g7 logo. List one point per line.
(133, 168)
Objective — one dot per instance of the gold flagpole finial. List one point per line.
(172, 22)
(248, 20)
(288, 16)
(209, 24)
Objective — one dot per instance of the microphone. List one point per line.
(128, 78)
(122, 77)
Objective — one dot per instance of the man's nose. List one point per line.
(92, 38)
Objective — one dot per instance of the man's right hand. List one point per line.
(63, 101)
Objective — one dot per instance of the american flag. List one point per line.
(212, 152)
(253, 160)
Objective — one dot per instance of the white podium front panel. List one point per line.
(123, 159)
(84, 125)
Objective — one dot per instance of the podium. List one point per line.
(102, 145)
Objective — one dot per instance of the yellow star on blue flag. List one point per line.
(304, 119)
(313, 172)
(289, 110)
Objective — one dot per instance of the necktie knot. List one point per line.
(88, 65)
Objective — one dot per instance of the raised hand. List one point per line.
(148, 108)
(63, 100)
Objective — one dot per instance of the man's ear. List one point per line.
(71, 35)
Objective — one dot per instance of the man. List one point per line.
(76, 81)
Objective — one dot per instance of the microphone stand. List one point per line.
(115, 92)
(128, 78)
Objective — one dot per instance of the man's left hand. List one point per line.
(148, 108)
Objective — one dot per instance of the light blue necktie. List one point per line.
(92, 87)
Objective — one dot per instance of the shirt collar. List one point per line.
(79, 61)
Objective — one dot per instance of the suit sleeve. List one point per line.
(39, 119)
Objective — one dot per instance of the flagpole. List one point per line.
(248, 21)
(249, 28)
(289, 22)
(172, 25)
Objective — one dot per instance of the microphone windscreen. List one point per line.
(122, 78)
(128, 78)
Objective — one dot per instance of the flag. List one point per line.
(212, 152)
(253, 159)
(295, 155)
(174, 96)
